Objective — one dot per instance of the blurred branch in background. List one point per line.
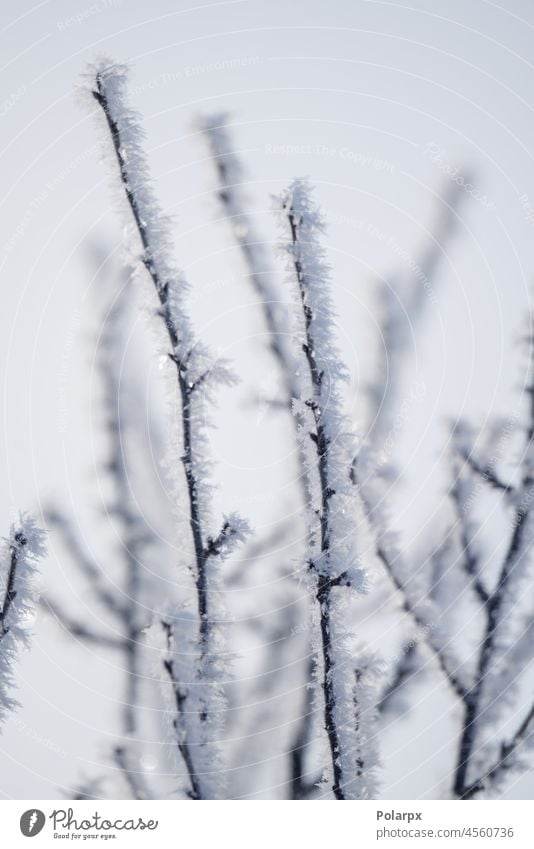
(505, 619)
(404, 299)
(257, 260)
(333, 561)
(197, 376)
(337, 703)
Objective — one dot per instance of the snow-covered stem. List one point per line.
(485, 471)
(332, 559)
(459, 494)
(18, 599)
(196, 371)
(59, 522)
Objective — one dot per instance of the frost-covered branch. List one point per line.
(499, 611)
(21, 552)
(333, 562)
(421, 612)
(195, 369)
(232, 196)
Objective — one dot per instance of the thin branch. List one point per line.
(469, 561)
(192, 361)
(133, 533)
(180, 698)
(163, 290)
(70, 539)
(133, 778)
(79, 630)
(300, 785)
(408, 605)
(18, 560)
(404, 672)
(230, 193)
(324, 586)
(485, 471)
(518, 549)
(168, 290)
(406, 298)
(493, 618)
(332, 562)
(504, 762)
(16, 547)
